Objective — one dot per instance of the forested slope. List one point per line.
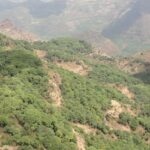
(104, 108)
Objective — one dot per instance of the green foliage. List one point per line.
(145, 122)
(124, 118)
(66, 49)
(25, 115)
(5, 41)
(80, 106)
(29, 120)
(127, 119)
(85, 101)
(124, 141)
(64, 44)
(13, 62)
(3, 121)
(110, 74)
(8, 43)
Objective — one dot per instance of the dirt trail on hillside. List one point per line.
(80, 141)
(80, 69)
(86, 128)
(54, 90)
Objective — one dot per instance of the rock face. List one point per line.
(9, 29)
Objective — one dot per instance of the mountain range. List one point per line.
(125, 24)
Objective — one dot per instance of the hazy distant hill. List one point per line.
(124, 22)
(9, 29)
(132, 28)
(62, 17)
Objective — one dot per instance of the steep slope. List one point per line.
(88, 99)
(106, 108)
(27, 118)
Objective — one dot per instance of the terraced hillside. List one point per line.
(44, 105)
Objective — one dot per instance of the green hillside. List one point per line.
(55, 96)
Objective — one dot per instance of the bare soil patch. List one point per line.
(80, 69)
(117, 108)
(41, 54)
(124, 90)
(54, 88)
(86, 128)
(9, 148)
(114, 125)
(114, 112)
(80, 141)
(140, 130)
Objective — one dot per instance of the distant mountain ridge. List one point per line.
(124, 23)
(63, 17)
(132, 28)
(9, 29)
